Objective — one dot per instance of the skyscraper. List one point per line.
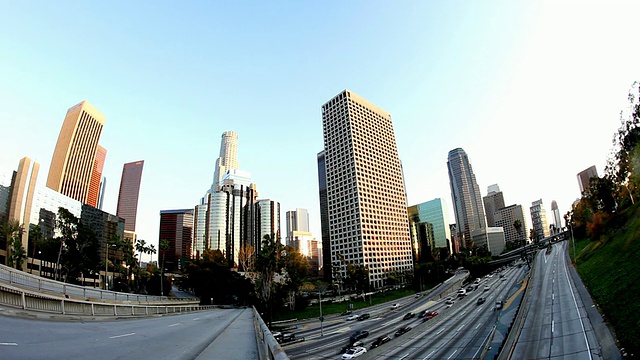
(492, 202)
(228, 158)
(269, 215)
(585, 176)
(296, 220)
(176, 226)
(93, 198)
(324, 217)
(129, 192)
(74, 158)
(557, 219)
(433, 212)
(366, 202)
(539, 219)
(506, 218)
(467, 202)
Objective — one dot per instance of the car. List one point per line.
(351, 345)
(346, 312)
(395, 306)
(499, 304)
(408, 316)
(481, 300)
(462, 293)
(353, 317)
(470, 288)
(379, 341)
(402, 330)
(449, 302)
(487, 288)
(430, 314)
(363, 317)
(358, 334)
(354, 352)
(418, 295)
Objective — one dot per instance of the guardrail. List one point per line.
(29, 281)
(31, 300)
(268, 347)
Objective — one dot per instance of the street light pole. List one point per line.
(574, 243)
(106, 253)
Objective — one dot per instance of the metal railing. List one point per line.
(28, 281)
(17, 297)
(268, 347)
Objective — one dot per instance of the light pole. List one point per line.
(39, 263)
(321, 317)
(106, 253)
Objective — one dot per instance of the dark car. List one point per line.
(481, 300)
(402, 330)
(408, 316)
(379, 341)
(346, 312)
(359, 334)
(363, 317)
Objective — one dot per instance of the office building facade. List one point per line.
(366, 200)
(436, 213)
(492, 202)
(176, 226)
(74, 157)
(465, 193)
(296, 220)
(557, 219)
(228, 158)
(539, 220)
(585, 176)
(129, 193)
(325, 265)
(492, 237)
(506, 218)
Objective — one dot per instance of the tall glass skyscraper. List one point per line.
(366, 201)
(434, 212)
(465, 193)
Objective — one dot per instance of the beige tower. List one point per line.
(366, 200)
(74, 158)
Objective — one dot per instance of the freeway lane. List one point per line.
(383, 321)
(556, 325)
(458, 332)
(197, 335)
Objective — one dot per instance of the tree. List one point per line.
(10, 229)
(246, 258)
(296, 268)
(78, 250)
(35, 237)
(268, 264)
(18, 253)
(518, 226)
(164, 246)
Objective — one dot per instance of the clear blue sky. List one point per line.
(532, 91)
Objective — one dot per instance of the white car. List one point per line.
(354, 352)
(395, 306)
(352, 317)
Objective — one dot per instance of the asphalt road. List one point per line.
(556, 325)
(213, 334)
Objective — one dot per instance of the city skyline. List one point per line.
(544, 85)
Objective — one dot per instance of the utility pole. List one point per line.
(321, 317)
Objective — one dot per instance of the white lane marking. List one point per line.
(439, 331)
(553, 296)
(477, 326)
(566, 273)
(460, 328)
(8, 344)
(404, 356)
(196, 319)
(452, 354)
(428, 356)
(552, 326)
(176, 324)
(119, 336)
(463, 312)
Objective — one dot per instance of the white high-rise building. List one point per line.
(539, 220)
(296, 220)
(228, 158)
(557, 219)
(366, 201)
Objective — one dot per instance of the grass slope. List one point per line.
(610, 268)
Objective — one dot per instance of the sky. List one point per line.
(531, 90)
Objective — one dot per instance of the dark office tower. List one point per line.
(585, 176)
(324, 217)
(492, 203)
(367, 206)
(74, 158)
(129, 191)
(465, 193)
(176, 226)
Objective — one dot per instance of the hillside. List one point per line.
(610, 269)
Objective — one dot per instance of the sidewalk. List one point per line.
(238, 341)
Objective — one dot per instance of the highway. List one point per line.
(458, 332)
(212, 334)
(556, 324)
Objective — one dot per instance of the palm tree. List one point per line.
(164, 246)
(141, 248)
(518, 226)
(152, 250)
